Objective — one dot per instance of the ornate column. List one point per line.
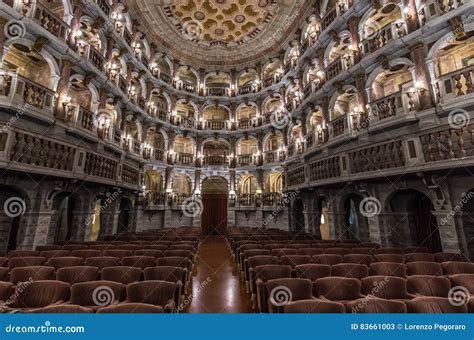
(63, 89)
(411, 15)
(354, 29)
(362, 94)
(75, 23)
(3, 22)
(422, 76)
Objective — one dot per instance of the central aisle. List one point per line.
(216, 286)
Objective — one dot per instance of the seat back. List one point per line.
(453, 268)
(300, 289)
(131, 308)
(393, 258)
(77, 274)
(388, 269)
(310, 251)
(313, 307)
(17, 262)
(102, 262)
(120, 253)
(295, 260)
(173, 261)
(39, 294)
(338, 288)
(158, 293)
(69, 261)
(96, 293)
(312, 271)
(328, 259)
(48, 254)
(165, 273)
(84, 253)
(24, 274)
(376, 306)
(385, 287)
(350, 270)
(399, 251)
(428, 285)
(449, 257)
(272, 271)
(284, 252)
(138, 261)
(424, 268)
(121, 274)
(359, 259)
(419, 257)
(434, 305)
(337, 251)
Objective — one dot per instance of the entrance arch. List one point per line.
(123, 223)
(215, 191)
(356, 225)
(14, 206)
(414, 221)
(298, 216)
(64, 205)
(468, 223)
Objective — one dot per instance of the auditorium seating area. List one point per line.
(142, 273)
(281, 272)
(293, 273)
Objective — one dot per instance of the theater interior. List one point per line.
(245, 156)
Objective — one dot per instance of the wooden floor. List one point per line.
(216, 286)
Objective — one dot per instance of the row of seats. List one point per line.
(96, 296)
(353, 294)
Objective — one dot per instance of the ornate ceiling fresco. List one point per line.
(220, 33)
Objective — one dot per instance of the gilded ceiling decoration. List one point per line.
(220, 33)
(221, 22)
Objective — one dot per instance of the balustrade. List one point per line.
(389, 106)
(184, 158)
(338, 66)
(215, 160)
(339, 126)
(333, 14)
(379, 39)
(453, 85)
(26, 94)
(218, 91)
(432, 9)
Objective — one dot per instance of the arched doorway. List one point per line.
(356, 225)
(215, 192)
(468, 223)
(14, 206)
(298, 216)
(124, 216)
(413, 221)
(64, 205)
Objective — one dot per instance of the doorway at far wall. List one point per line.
(215, 191)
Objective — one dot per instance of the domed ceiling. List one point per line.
(220, 33)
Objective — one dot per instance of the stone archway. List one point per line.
(215, 191)
(123, 223)
(13, 206)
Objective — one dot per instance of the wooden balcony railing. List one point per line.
(333, 14)
(339, 126)
(379, 39)
(245, 160)
(25, 93)
(215, 160)
(338, 66)
(218, 91)
(47, 19)
(454, 85)
(216, 124)
(388, 106)
(184, 158)
(432, 9)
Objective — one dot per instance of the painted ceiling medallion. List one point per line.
(224, 22)
(220, 34)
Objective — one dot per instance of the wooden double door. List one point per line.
(214, 216)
